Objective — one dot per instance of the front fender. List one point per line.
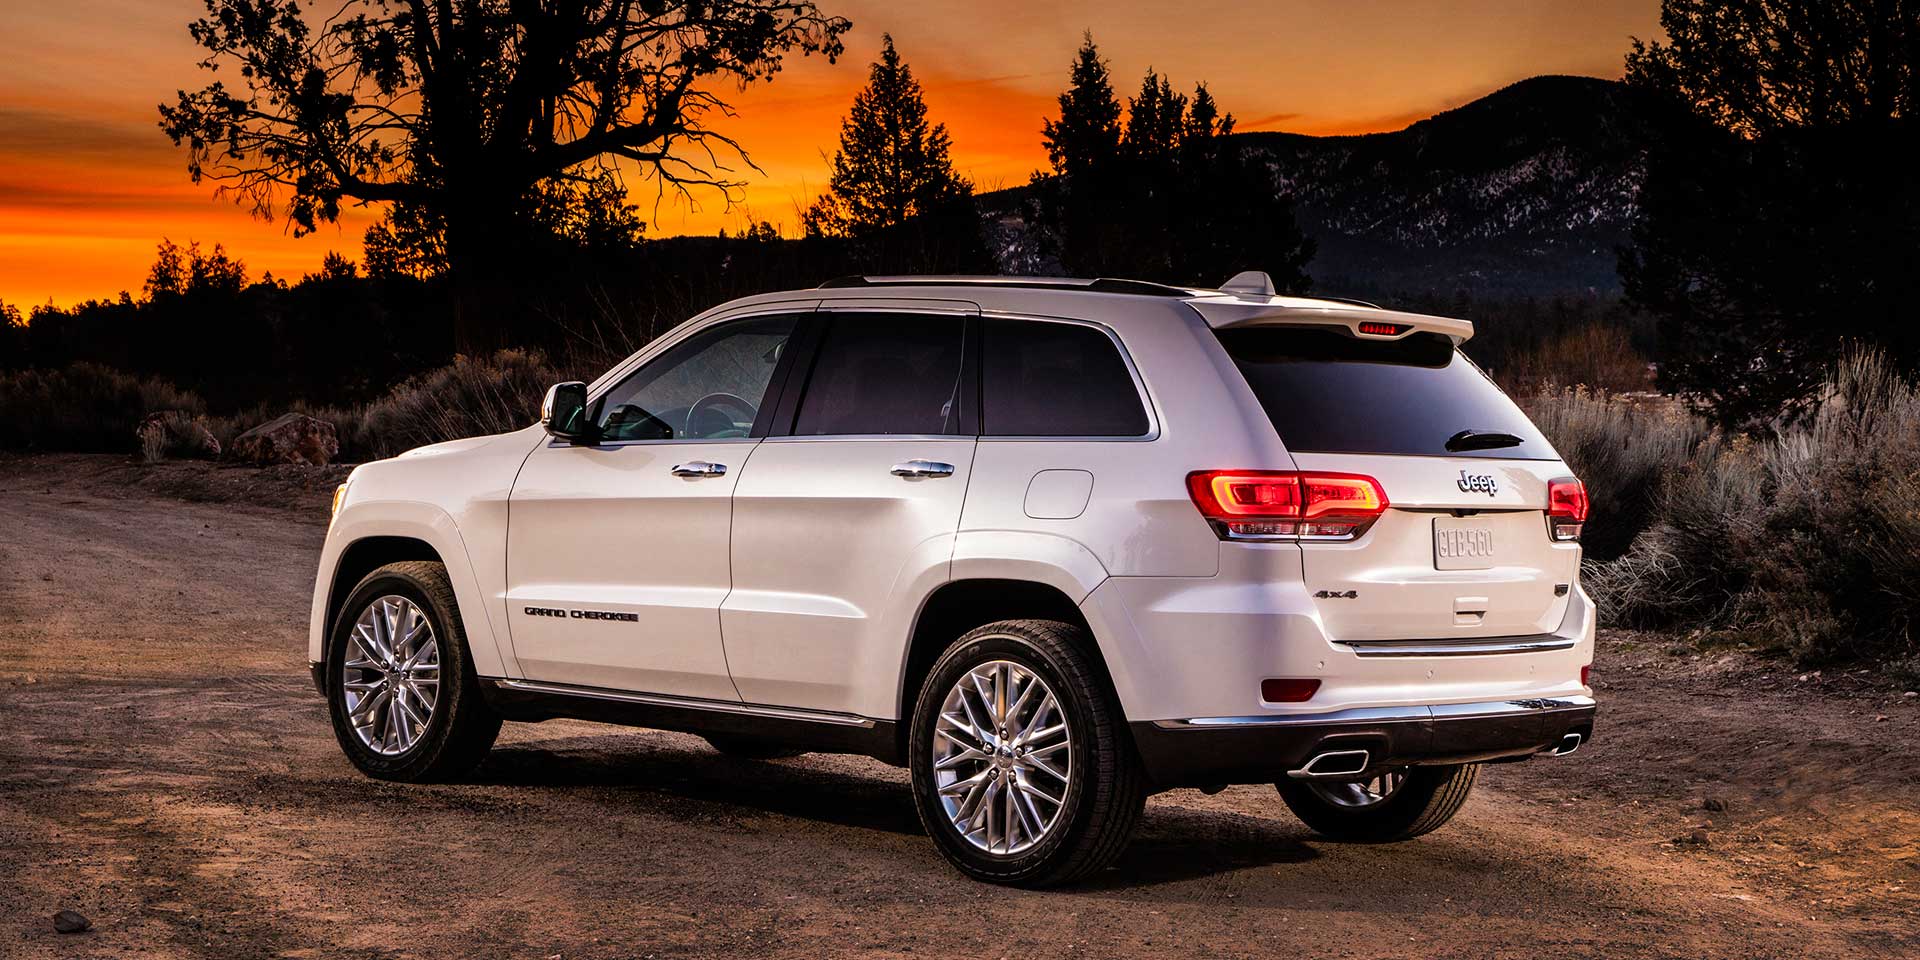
(433, 526)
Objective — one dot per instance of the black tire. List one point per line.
(1425, 801)
(462, 727)
(1106, 792)
(750, 748)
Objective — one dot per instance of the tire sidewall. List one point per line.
(412, 764)
(1385, 822)
(1000, 642)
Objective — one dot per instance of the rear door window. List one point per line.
(1049, 379)
(885, 374)
(1327, 391)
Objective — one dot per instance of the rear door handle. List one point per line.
(923, 468)
(699, 468)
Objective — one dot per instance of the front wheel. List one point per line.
(1022, 770)
(1398, 803)
(400, 684)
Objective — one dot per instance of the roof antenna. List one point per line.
(1249, 281)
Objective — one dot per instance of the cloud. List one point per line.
(47, 134)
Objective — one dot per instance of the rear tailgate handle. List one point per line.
(1468, 611)
(922, 468)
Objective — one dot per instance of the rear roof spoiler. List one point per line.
(1222, 311)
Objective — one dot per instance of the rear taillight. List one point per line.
(1566, 508)
(1286, 504)
(1288, 689)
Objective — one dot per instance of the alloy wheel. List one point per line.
(391, 675)
(1363, 793)
(1002, 758)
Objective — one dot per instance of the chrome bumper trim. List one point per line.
(689, 703)
(1437, 711)
(1464, 647)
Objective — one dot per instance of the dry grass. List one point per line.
(472, 397)
(1804, 542)
(1599, 356)
(83, 407)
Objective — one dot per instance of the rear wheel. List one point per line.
(400, 685)
(1398, 803)
(1022, 770)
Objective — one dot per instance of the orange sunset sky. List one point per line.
(88, 184)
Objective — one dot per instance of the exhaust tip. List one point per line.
(1333, 763)
(1567, 744)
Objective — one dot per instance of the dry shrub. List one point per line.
(472, 397)
(83, 407)
(177, 435)
(1805, 542)
(1623, 448)
(1599, 356)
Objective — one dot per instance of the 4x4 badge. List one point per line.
(1478, 483)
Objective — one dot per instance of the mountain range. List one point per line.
(1528, 191)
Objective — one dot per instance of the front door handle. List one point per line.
(923, 468)
(699, 468)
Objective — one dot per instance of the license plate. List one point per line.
(1462, 544)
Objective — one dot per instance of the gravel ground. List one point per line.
(167, 771)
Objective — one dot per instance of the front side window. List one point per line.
(1044, 379)
(708, 387)
(885, 373)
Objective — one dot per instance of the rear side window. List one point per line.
(879, 373)
(1042, 379)
(1327, 391)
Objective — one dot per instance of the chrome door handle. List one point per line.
(699, 468)
(923, 468)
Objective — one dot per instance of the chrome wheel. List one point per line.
(1002, 757)
(391, 675)
(1363, 793)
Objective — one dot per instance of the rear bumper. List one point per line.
(1263, 749)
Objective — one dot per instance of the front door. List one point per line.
(617, 552)
(852, 511)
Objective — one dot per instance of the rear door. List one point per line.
(1463, 549)
(851, 505)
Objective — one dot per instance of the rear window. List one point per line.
(1327, 391)
(880, 374)
(1044, 379)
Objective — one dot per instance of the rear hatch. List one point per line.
(1463, 549)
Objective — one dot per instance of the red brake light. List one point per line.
(1288, 690)
(1285, 504)
(1377, 329)
(1566, 508)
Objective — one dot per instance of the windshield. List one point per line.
(1327, 391)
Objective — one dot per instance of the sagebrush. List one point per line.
(82, 407)
(1807, 541)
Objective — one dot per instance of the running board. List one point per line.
(687, 703)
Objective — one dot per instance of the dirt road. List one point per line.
(166, 769)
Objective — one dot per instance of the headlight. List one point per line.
(339, 494)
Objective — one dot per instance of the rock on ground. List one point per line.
(289, 438)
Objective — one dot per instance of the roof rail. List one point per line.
(1103, 285)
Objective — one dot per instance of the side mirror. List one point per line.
(564, 413)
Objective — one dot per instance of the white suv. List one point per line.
(1053, 545)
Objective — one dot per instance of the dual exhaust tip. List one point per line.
(1352, 763)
